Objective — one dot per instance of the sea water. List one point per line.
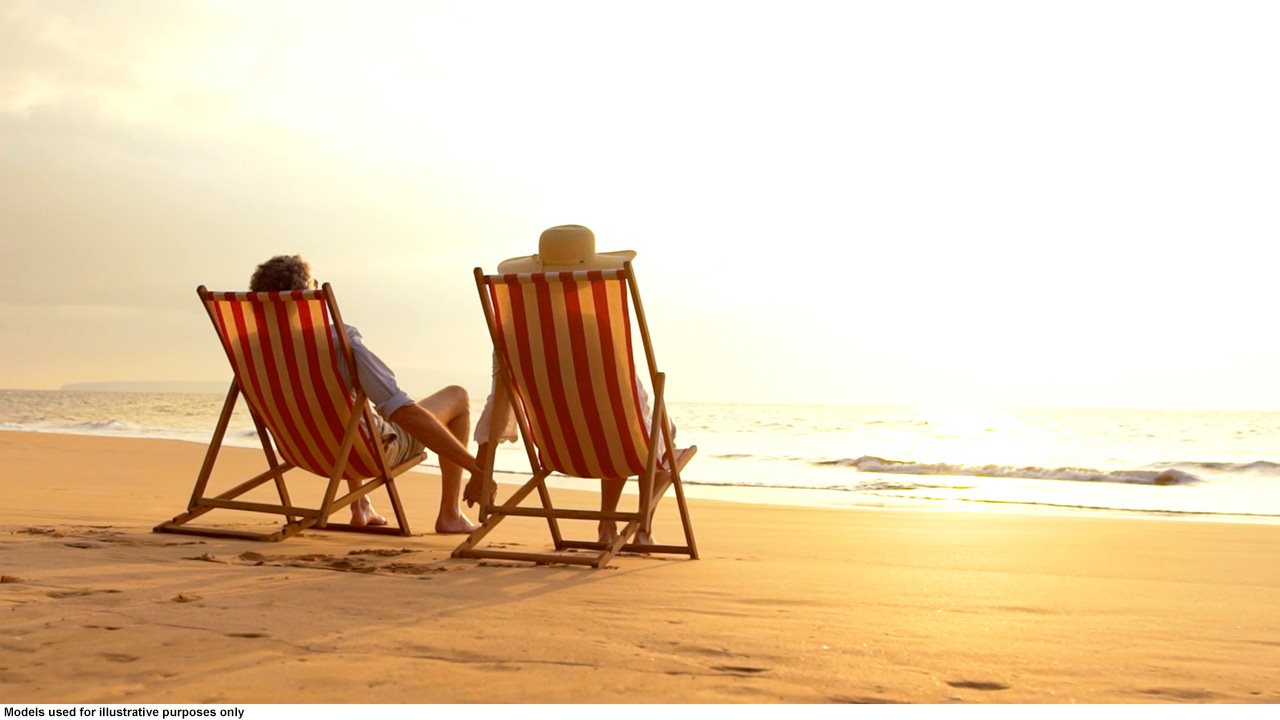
(1195, 464)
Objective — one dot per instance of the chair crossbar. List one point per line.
(542, 558)
(577, 275)
(260, 507)
(567, 514)
(628, 547)
(367, 529)
(217, 532)
(248, 485)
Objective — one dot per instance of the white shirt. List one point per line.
(375, 377)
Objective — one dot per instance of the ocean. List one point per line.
(1193, 464)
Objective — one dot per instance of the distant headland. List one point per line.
(145, 386)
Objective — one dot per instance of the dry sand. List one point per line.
(787, 604)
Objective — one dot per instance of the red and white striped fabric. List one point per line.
(287, 365)
(567, 339)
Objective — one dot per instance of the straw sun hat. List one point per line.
(566, 247)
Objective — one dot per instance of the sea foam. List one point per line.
(867, 463)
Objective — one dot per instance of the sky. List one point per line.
(976, 203)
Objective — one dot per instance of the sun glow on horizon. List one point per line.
(987, 204)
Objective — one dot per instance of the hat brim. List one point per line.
(533, 263)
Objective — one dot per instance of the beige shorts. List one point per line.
(400, 445)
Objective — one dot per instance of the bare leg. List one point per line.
(610, 493)
(482, 483)
(644, 536)
(500, 416)
(451, 406)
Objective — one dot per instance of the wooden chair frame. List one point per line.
(297, 518)
(651, 490)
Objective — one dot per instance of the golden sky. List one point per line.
(986, 203)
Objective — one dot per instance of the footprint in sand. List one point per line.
(356, 561)
(864, 700)
(700, 650)
(10, 579)
(1185, 694)
(977, 685)
(120, 657)
(382, 552)
(416, 568)
(60, 594)
(739, 669)
(329, 562)
(208, 557)
(248, 635)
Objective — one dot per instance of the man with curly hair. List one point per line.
(440, 422)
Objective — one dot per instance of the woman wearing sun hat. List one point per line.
(563, 248)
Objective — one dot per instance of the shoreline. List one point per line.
(801, 497)
(808, 497)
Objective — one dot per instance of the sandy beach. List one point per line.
(786, 605)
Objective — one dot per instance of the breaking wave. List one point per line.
(120, 428)
(868, 463)
(1257, 466)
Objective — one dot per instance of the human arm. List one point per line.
(497, 415)
(497, 421)
(496, 424)
(429, 431)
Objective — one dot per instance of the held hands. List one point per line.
(480, 485)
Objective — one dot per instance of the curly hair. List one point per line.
(282, 272)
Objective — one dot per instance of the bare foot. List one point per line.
(362, 514)
(642, 537)
(608, 532)
(458, 525)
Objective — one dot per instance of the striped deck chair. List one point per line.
(285, 364)
(563, 343)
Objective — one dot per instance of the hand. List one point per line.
(480, 485)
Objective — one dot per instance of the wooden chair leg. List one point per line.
(215, 444)
(496, 516)
(544, 495)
